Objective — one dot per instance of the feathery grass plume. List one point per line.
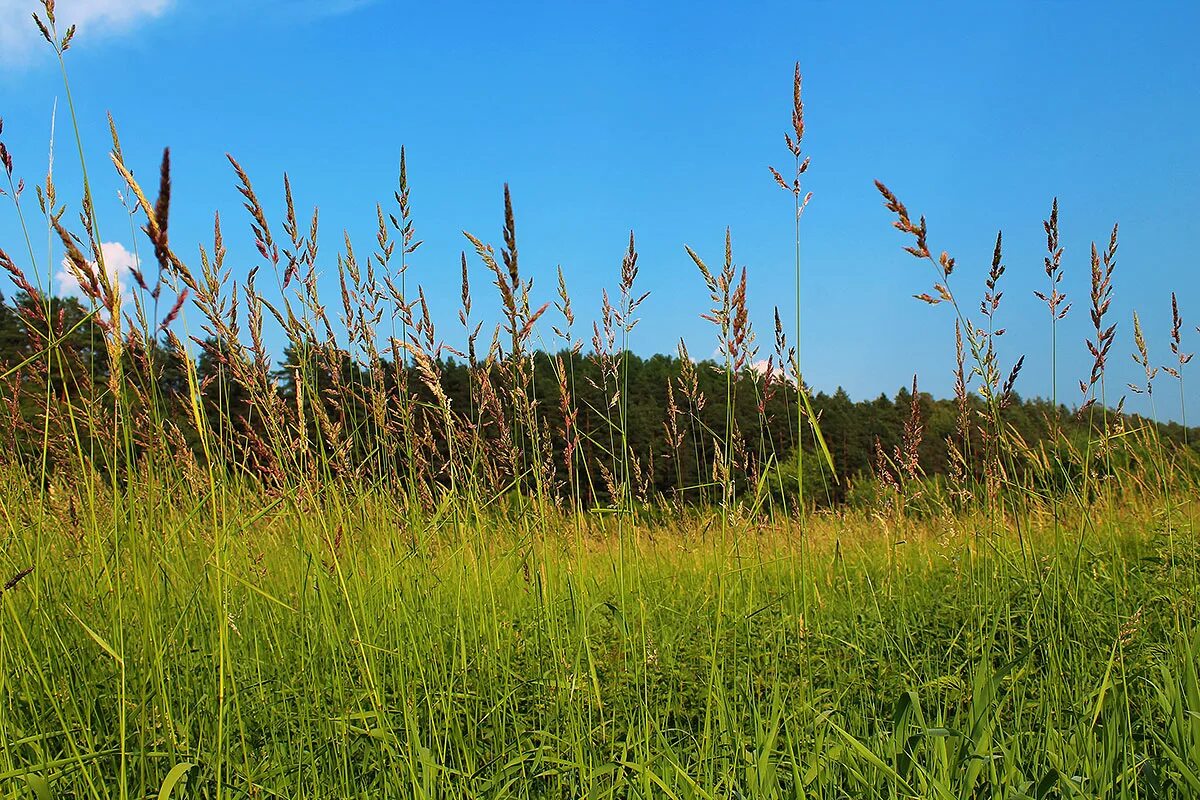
(404, 225)
(464, 314)
(263, 240)
(293, 256)
(674, 437)
(173, 314)
(84, 271)
(570, 416)
(689, 379)
(629, 304)
(509, 252)
(569, 412)
(741, 343)
(563, 305)
(735, 344)
(722, 289)
(604, 352)
(34, 312)
(1101, 297)
(992, 294)
(624, 317)
(944, 264)
(783, 354)
(907, 453)
(254, 325)
(919, 230)
(1055, 301)
(371, 297)
(639, 478)
(514, 292)
(209, 295)
(961, 399)
(794, 141)
(671, 424)
(6, 163)
(430, 375)
(6, 159)
(1006, 391)
(111, 300)
(769, 386)
(883, 472)
(162, 208)
(777, 365)
(688, 382)
(1142, 359)
(958, 452)
(1181, 358)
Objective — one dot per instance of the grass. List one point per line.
(351, 587)
(328, 649)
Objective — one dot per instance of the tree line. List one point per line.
(570, 424)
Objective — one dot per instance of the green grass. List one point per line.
(336, 647)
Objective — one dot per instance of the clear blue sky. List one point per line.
(662, 117)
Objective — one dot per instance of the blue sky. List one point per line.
(662, 118)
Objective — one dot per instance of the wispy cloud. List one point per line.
(19, 39)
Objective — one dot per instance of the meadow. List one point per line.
(388, 566)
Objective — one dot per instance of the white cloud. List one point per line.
(19, 38)
(118, 262)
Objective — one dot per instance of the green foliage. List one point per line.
(233, 649)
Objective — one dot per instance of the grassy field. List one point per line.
(228, 579)
(341, 648)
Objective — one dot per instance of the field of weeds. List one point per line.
(382, 565)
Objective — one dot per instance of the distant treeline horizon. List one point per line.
(670, 407)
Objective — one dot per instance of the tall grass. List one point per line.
(225, 584)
